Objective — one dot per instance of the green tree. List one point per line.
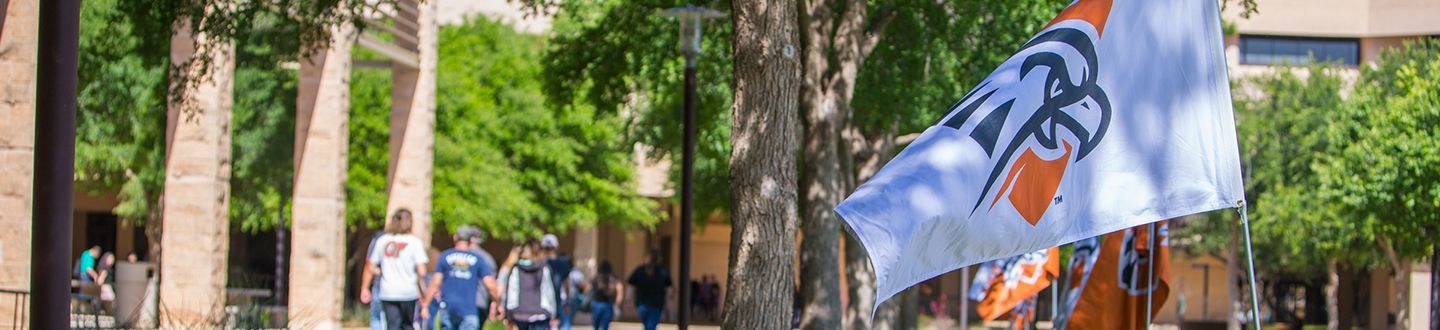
(505, 159)
(120, 122)
(1383, 169)
(620, 57)
(263, 125)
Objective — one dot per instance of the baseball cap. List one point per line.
(549, 241)
(468, 232)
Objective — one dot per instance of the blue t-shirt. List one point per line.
(463, 272)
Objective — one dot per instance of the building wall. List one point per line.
(1189, 281)
(1340, 18)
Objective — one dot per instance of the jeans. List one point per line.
(456, 321)
(602, 313)
(566, 318)
(399, 314)
(650, 315)
(377, 314)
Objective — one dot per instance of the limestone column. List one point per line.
(587, 249)
(195, 205)
(17, 145)
(317, 258)
(412, 121)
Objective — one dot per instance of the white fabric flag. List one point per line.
(1116, 114)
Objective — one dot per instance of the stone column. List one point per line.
(412, 121)
(317, 258)
(17, 145)
(587, 249)
(195, 205)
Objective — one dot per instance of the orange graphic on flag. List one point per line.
(1114, 295)
(1093, 11)
(1022, 280)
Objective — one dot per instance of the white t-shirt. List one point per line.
(397, 256)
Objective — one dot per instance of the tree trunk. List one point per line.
(887, 316)
(860, 278)
(1236, 281)
(1400, 277)
(762, 170)
(835, 46)
(909, 302)
(865, 158)
(822, 184)
(1332, 296)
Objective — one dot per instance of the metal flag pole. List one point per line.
(1150, 275)
(965, 297)
(1250, 262)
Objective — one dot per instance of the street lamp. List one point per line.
(691, 19)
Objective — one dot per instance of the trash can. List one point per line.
(132, 280)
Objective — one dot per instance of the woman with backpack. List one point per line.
(530, 292)
(605, 291)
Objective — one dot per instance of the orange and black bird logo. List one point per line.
(1052, 98)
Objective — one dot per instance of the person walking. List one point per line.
(377, 312)
(652, 284)
(484, 294)
(529, 291)
(461, 274)
(560, 266)
(605, 292)
(399, 259)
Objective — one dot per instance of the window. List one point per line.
(1269, 50)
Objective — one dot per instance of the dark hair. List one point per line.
(104, 261)
(400, 223)
(605, 268)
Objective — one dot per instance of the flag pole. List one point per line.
(965, 297)
(1150, 274)
(1250, 259)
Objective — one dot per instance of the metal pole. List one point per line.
(1250, 259)
(282, 234)
(1434, 286)
(1055, 292)
(965, 297)
(1150, 274)
(55, 86)
(687, 192)
(1205, 289)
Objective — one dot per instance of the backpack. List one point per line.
(604, 289)
(530, 294)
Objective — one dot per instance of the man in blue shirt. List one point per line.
(462, 273)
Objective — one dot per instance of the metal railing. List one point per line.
(20, 309)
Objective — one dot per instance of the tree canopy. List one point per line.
(1338, 173)
(505, 158)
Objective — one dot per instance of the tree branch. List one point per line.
(876, 31)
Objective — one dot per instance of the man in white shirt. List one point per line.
(399, 258)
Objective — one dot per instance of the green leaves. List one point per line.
(507, 161)
(1330, 178)
(622, 60)
(1385, 166)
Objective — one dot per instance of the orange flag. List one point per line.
(1009, 282)
(1106, 290)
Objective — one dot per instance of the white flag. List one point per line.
(1116, 114)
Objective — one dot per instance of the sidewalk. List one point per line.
(622, 326)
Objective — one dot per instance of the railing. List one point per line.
(20, 310)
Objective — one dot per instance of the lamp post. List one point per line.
(691, 19)
(55, 83)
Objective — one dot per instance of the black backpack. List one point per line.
(604, 289)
